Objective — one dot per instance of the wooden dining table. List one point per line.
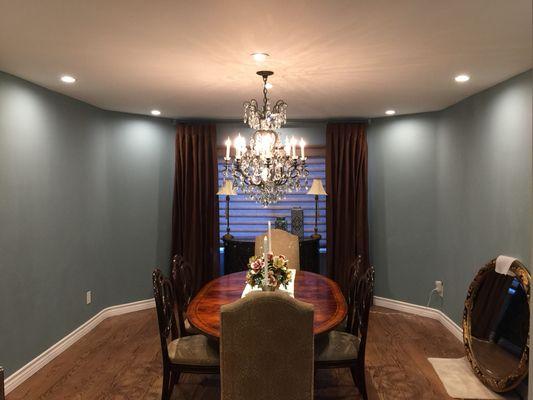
(323, 293)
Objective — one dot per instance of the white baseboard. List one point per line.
(427, 312)
(48, 355)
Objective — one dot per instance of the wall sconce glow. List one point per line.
(268, 85)
(462, 78)
(260, 56)
(68, 79)
(390, 112)
(155, 112)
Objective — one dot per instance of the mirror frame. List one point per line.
(509, 382)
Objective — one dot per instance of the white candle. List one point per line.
(287, 146)
(228, 145)
(293, 145)
(269, 238)
(265, 260)
(302, 145)
(238, 146)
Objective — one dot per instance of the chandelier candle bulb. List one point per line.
(293, 145)
(302, 145)
(228, 146)
(238, 144)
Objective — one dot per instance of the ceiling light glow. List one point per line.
(155, 112)
(390, 112)
(462, 78)
(268, 86)
(260, 56)
(68, 79)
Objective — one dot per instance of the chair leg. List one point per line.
(165, 395)
(174, 379)
(358, 376)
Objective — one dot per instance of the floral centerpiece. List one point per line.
(278, 272)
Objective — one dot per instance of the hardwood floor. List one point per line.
(120, 359)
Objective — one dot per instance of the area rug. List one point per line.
(459, 380)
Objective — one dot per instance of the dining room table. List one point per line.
(323, 293)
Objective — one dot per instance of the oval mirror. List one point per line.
(496, 325)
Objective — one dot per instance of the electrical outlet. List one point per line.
(439, 288)
(89, 297)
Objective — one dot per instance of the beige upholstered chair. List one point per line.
(282, 243)
(266, 348)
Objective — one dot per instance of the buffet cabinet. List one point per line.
(237, 252)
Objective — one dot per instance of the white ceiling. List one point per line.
(331, 58)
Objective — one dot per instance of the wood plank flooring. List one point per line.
(120, 359)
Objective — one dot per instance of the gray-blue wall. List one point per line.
(450, 190)
(85, 204)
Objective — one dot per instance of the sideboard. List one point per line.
(237, 252)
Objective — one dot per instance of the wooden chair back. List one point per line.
(362, 295)
(282, 243)
(183, 280)
(165, 306)
(354, 272)
(267, 348)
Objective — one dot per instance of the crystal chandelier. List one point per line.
(267, 169)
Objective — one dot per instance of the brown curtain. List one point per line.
(195, 211)
(346, 183)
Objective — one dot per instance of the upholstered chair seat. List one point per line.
(194, 350)
(337, 346)
(282, 243)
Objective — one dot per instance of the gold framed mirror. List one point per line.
(496, 325)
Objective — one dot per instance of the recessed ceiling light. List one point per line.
(260, 56)
(268, 85)
(462, 78)
(390, 112)
(155, 112)
(68, 79)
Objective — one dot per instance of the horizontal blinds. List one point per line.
(249, 219)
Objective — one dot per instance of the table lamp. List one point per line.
(318, 190)
(227, 190)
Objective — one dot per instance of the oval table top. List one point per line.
(325, 295)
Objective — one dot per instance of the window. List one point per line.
(249, 219)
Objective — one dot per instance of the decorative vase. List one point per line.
(297, 221)
(281, 223)
(269, 288)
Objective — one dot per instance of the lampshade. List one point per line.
(317, 188)
(227, 189)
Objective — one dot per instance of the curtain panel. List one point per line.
(347, 187)
(195, 210)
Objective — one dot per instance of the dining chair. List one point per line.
(190, 354)
(282, 243)
(354, 270)
(183, 281)
(347, 349)
(266, 348)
